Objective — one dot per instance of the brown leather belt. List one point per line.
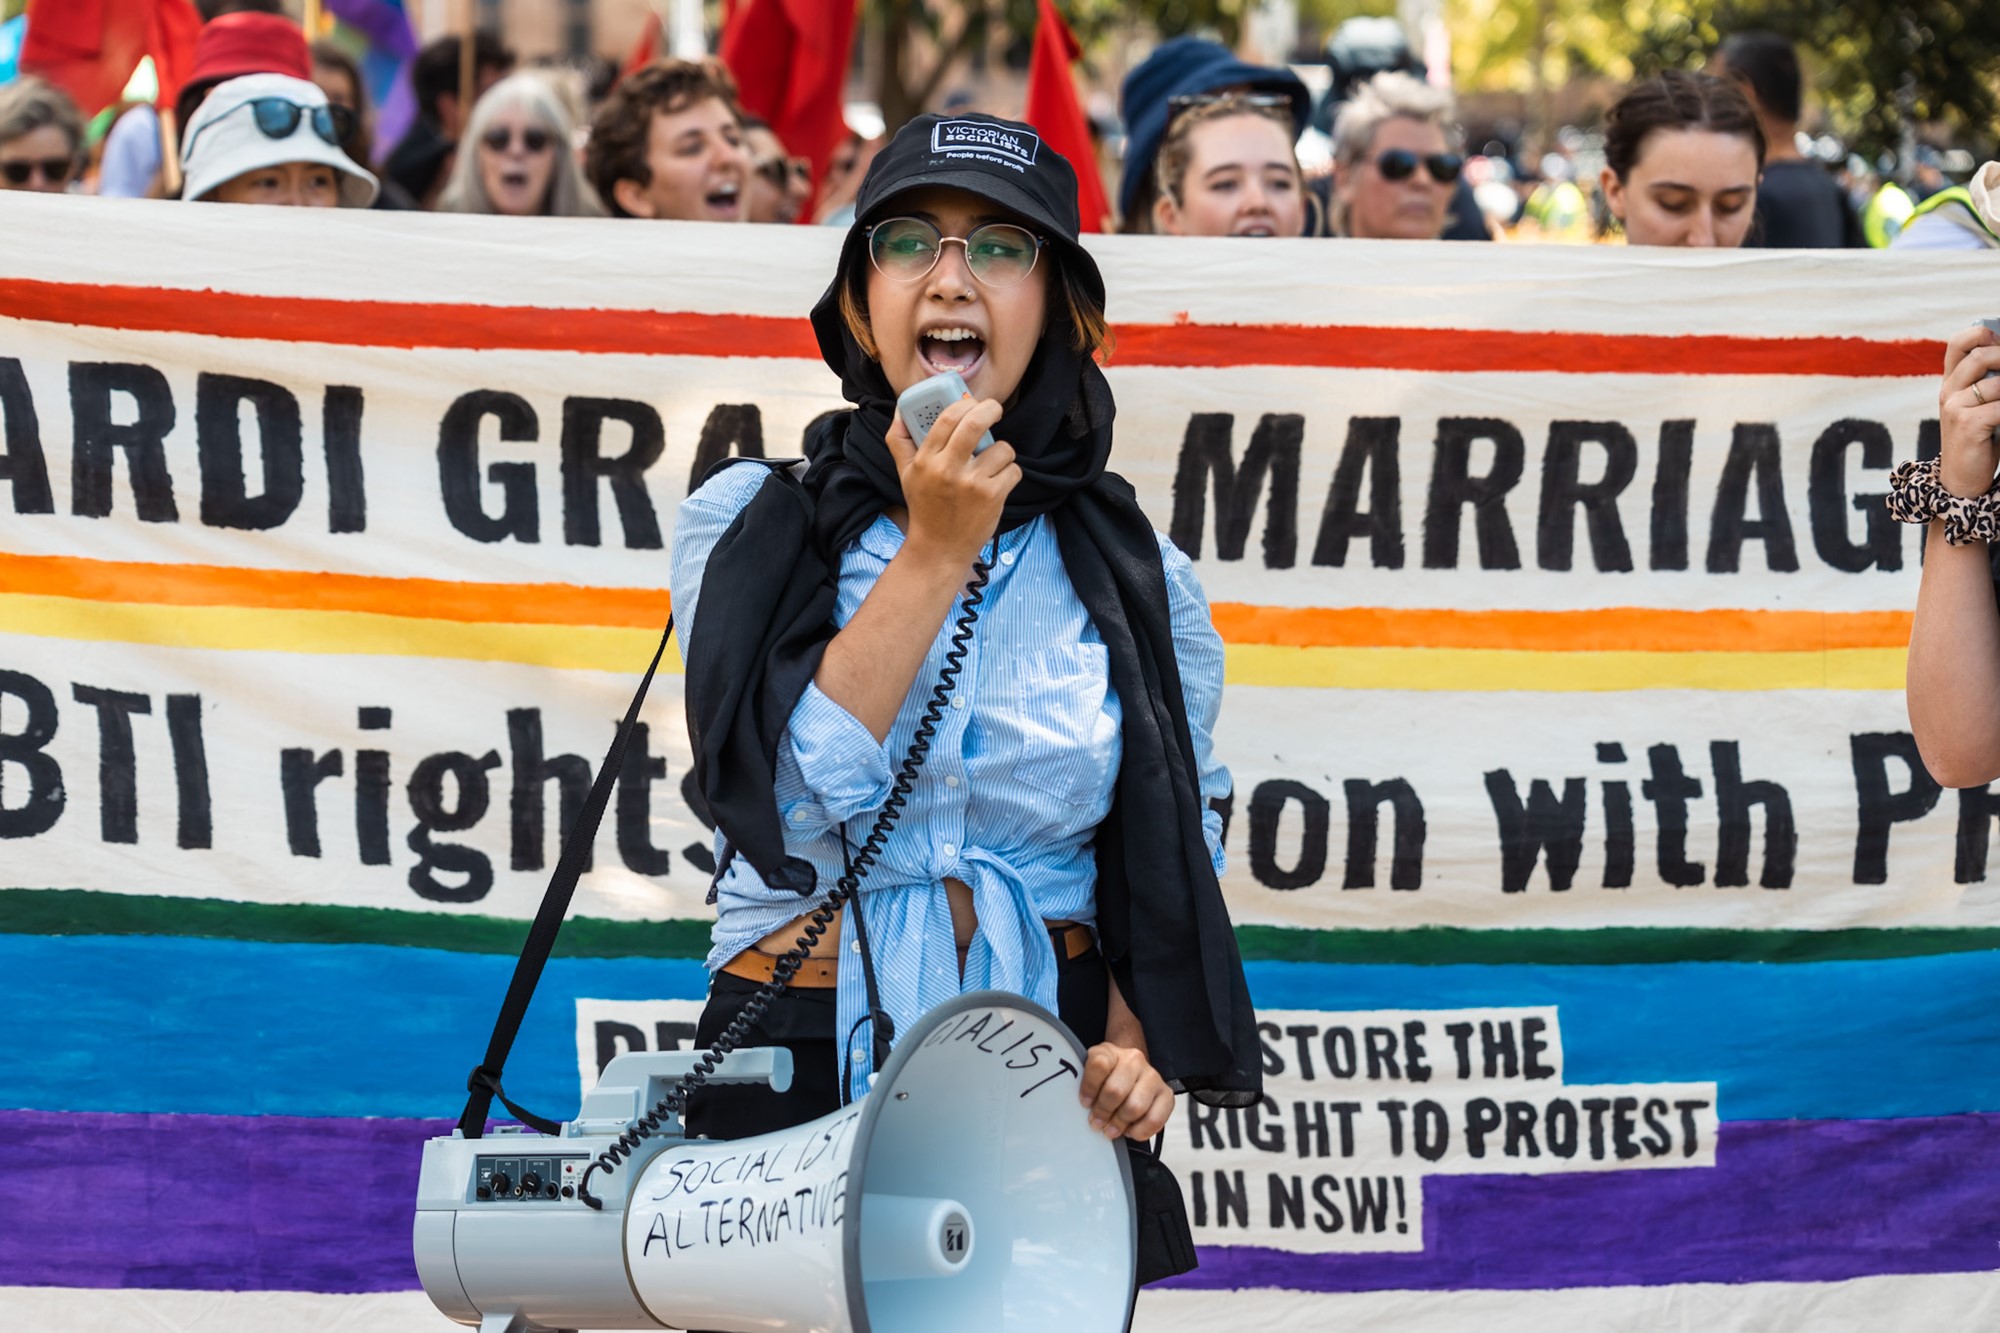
(1069, 941)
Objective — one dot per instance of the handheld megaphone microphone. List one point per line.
(965, 1191)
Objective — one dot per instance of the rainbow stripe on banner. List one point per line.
(275, 1097)
(1577, 819)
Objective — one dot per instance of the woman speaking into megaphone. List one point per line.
(1060, 839)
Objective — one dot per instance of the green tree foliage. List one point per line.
(1875, 64)
(1878, 63)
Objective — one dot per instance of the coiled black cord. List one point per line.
(849, 884)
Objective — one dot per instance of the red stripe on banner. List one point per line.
(405, 324)
(1466, 350)
(1180, 344)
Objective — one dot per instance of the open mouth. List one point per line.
(961, 350)
(514, 180)
(724, 199)
(1256, 229)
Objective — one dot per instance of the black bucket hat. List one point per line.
(1003, 161)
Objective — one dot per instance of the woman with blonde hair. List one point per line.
(1227, 168)
(516, 157)
(1395, 165)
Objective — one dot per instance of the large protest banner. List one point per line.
(1619, 964)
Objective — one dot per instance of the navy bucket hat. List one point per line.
(1188, 67)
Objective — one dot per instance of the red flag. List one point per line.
(89, 48)
(1054, 111)
(789, 58)
(646, 50)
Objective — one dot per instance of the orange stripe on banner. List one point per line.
(1615, 629)
(284, 590)
(1618, 629)
(1179, 344)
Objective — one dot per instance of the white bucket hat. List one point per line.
(1985, 191)
(226, 137)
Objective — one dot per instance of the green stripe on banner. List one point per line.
(84, 912)
(1446, 945)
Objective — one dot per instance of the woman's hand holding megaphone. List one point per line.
(1125, 1095)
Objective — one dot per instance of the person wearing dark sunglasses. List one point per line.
(41, 137)
(1395, 166)
(779, 184)
(271, 139)
(516, 158)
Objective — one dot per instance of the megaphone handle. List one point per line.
(849, 887)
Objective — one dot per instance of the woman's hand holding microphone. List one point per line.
(954, 496)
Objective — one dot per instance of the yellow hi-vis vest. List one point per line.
(1955, 203)
(1889, 211)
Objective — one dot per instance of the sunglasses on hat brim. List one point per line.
(1262, 101)
(1399, 164)
(279, 117)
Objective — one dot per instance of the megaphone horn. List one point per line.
(965, 1191)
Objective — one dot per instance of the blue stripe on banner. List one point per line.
(218, 1027)
(1820, 1041)
(225, 1027)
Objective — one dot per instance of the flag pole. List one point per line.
(468, 68)
(312, 21)
(170, 155)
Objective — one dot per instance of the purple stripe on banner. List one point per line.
(1787, 1201)
(210, 1203)
(274, 1203)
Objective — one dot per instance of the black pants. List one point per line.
(802, 1021)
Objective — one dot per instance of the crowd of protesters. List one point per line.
(1212, 146)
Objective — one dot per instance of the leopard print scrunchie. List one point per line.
(1917, 495)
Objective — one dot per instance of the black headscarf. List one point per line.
(773, 585)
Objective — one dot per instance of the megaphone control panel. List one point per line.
(514, 1178)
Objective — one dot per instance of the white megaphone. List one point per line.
(966, 1191)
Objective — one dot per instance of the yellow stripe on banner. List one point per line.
(598, 648)
(359, 633)
(1478, 669)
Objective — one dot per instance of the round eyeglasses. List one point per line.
(998, 254)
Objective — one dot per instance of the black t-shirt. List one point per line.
(418, 160)
(1800, 208)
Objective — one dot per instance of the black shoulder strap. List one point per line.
(720, 465)
(483, 1084)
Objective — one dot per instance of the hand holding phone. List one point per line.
(925, 401)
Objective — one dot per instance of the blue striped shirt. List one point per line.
(1018, 776)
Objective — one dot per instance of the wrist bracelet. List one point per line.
(1917, 495)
